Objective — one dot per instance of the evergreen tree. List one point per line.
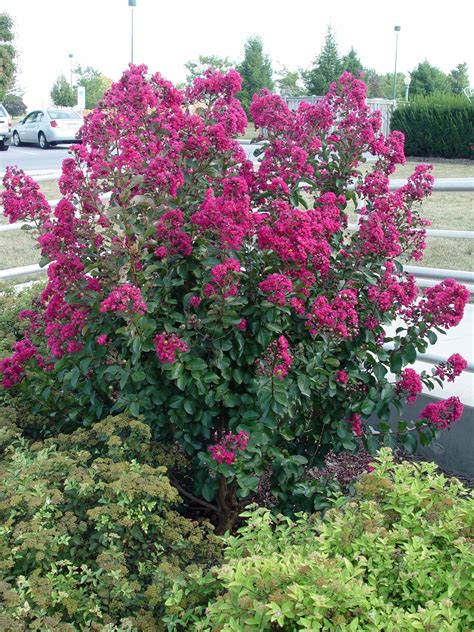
(7, 54)
(62, 94)
(327, 67)
(196, 68)
(427, 79)
(352, 63)
(459, 79)
(255, 70)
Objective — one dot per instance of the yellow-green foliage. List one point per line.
(398, 556)
(89, 535)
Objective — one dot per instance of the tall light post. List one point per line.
(397, 30)
(131, 4)
(407, 86)
(70, 68)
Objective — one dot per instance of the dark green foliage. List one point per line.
(7, 54)
(351, 63)
(397, 556)
(90, 537)
(62, 93)
(427, 79)
(255, 70)
(14, 104)
(459, 79)
(441, 125)
(327, 67)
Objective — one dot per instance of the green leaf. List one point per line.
(209, 489)
(196, 364)
(304, 384)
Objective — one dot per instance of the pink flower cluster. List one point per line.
(451, 369)
(171, 237)
(356, 423)
(22, 198)
(338, 317)
(442, 414)
(167, 345)
(277, 359)
(276, 287)
(225, 450)
(443, 305)
(342, 377)
(13, 368)
(410, 384)
(224, 279)
(124, 298)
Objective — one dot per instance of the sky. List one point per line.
(168, 33)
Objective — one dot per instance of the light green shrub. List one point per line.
(89, 533)
(397, 556)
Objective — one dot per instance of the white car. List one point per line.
(48, 128)
(5, 128)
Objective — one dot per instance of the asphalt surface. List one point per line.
(32, 158)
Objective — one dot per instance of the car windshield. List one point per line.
(63, 114)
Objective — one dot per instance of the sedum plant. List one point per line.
(396, 556)
(228, 304)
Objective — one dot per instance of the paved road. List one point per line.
(32, 158)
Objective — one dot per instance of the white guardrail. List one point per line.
(426, 277)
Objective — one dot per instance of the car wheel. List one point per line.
(43, 143)
(3, 146)
(16, 139)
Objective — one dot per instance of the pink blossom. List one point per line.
(442, 414)
(167, 345)
(276, 287)
(451, 369)
(356, 422)
(341, 377)
(410, 384)
(242, 326)
(102, 339)
(124, 298)
(225, 450)
(194, 302)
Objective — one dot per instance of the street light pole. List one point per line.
(70, 68)
(131, 4)
(397, 29)
(407, 87)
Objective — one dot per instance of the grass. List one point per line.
(250, 132)
(445, 210)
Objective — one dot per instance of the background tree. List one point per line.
(62, 94)
(427, 79)
(7, 54)
(289, 83)
(197, 67)
(326, 68)
(14, 104)
(352, 63)
(255, 70)
(459, 78)
(94, 82)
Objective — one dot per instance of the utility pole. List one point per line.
(131, 4)
(397, 30)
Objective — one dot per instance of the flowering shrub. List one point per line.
(396, 556)
(215, 298)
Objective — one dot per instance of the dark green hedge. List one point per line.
(441, 127)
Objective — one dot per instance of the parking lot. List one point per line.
(32, 158)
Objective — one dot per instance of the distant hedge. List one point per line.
(437, 126)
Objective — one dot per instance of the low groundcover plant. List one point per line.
(229, 306)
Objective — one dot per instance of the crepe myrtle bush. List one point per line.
(226, 303)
